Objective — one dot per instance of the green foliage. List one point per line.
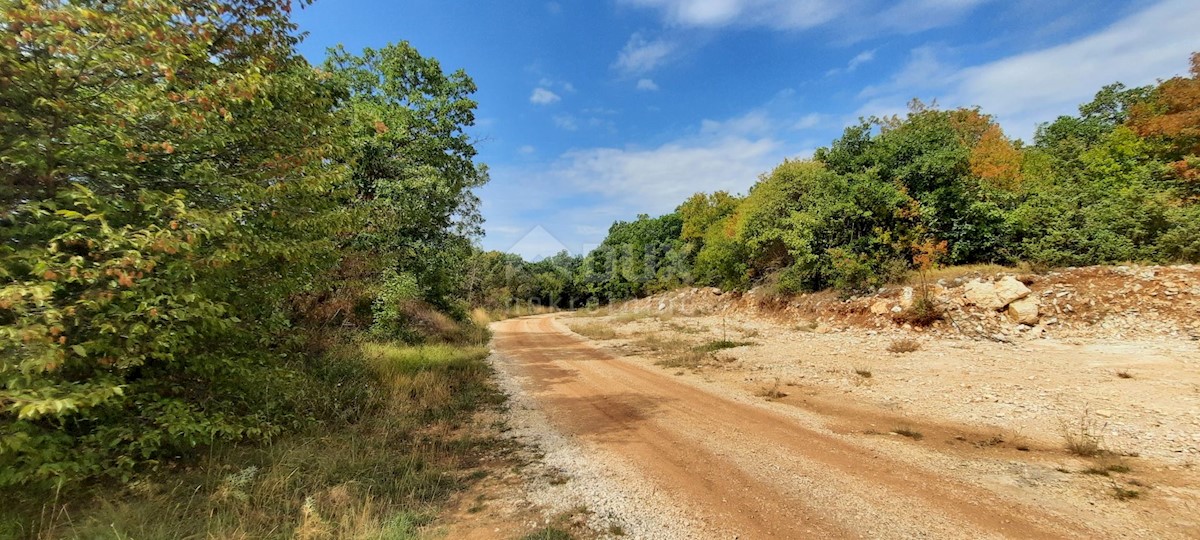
(1115, 183)
(175, 178)
(379, 468)
(412, 209)
(166, 190)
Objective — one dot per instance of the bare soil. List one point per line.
(809, 434)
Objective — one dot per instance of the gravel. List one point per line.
(610, 490)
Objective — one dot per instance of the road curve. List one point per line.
(746, 471)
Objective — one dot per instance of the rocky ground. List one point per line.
(1020, 368)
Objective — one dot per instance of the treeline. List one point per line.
(1118, 182)
(191, 212)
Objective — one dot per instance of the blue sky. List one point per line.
(596, 111)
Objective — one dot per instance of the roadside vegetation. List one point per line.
(897, 199)
(231, 282)
(394, 444)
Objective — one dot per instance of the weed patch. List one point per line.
(380, 473)
(902, 346)
(593, 330)
(771, 392)
(720, 344)
(1125, 494)
(1083, 437)
(908, 432)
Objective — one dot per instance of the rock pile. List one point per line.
(1118, 302)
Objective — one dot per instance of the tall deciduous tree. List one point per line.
(412, 168)
(163, 191)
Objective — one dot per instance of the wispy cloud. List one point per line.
(1037, 86)
(602, 184)
(647, 85)
(566, 121)
(858, 60)
(542, 96)
(719, 13)
(641, 55)
(808, 121)
(903, 16)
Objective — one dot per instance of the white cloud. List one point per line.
(808, 121)
(595, 186)
(754, 123)
(858, 60)
(542, 96)
(771, 13)
(911, 16)
(565, 86)
(902, 16)
(1151, 44)
(526, 150)
(655, 180)
(566, 121)
(922, 70)
(641, 55)
(1024, 89)
(647, 85)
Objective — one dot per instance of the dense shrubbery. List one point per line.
(187, 204)
(1116, 183)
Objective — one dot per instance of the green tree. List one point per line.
(165, 189)
(412, 209)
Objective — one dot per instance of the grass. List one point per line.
(1125, 494)
(685, 359)
(1083, 437)
(720, 344)
(902, 346)
(593, 330)
(561, 527)
(862, 372)
(908, 432)
(548, 533)
(1124, 374)
(687, 328)
(382, 474)
(632, 316)
(950, 272)
(771, 392)
(924, 311)
(810, 326)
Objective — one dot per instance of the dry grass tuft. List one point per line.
(1083, 437)
(902, 346)
(593, 330)
(721, 344)
(381, 472)
(1124, 374)
(908, 432)
(1125, 494)
(771, 392)
(863, 372)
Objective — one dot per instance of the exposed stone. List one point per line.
(906, 298)
(1024, 311)
(981, 293)
(994, 295)
(881, 307)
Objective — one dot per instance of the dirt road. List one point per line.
(756, 469)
